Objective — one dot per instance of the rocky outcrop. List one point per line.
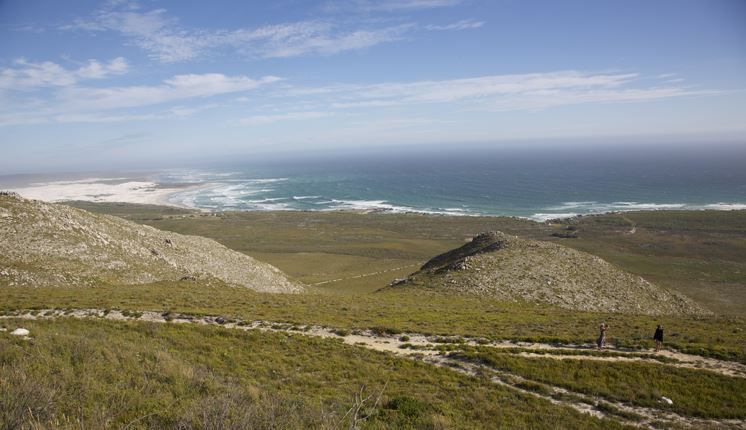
(509, 268)
(43, 244)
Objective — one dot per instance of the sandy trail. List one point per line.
(413, 343)
(365, 275)
(425, 348)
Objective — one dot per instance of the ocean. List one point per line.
(538, 184)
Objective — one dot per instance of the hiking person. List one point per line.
(601, 342)
(658, 337)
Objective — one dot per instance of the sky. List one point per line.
(87, 84)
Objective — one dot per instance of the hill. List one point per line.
(506, 267)
(44, 244)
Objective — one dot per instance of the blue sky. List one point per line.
(86, 84)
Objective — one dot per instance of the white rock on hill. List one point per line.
(20, 332)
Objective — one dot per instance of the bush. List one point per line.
(383, 331)
(407, 407)
(239, 409)
(23, 400)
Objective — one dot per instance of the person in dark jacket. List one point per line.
(658, 337)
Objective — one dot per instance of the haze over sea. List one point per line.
(540, 183)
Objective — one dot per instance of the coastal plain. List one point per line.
(698, 253)
(351, 353)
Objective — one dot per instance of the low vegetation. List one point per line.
(696, 393)
(102, 374)
(45, 244)
(507, 267)
(113, 374)
(698, 253)
(394, 312)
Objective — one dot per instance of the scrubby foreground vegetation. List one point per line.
(100, 374)
(395, 311)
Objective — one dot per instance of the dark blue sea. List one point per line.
(539, 184)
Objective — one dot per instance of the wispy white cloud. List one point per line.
(102, 104)
(498, 92)
(368, 6)
(29, 28)
(185, 95)
(166, 40)
(465, 24)
(290, 116)
(179, 87)
(27, 75)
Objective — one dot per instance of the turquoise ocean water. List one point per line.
(535, 185)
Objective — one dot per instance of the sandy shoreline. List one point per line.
(102, 190)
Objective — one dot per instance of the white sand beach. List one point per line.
(100, 190)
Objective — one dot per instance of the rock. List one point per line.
(220, 320)
(665, 399)
(398, 281)
(562, 235)
(20, 332)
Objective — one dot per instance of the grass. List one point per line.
(699, 253)
(696, 393)
(102, 374)
(564, 351)
(315, 247)
(398, 311)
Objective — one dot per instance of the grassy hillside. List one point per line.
(318, 247)
(396, 311)
(98, 374)
(45, 244)
(699, 253)
(115, 374)
(509, 268)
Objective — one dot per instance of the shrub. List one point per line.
(407, 407)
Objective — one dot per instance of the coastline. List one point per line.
(551, 220)
(146, 190)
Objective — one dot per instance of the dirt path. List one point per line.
(632, 230)
(365, 275)
(426, 348)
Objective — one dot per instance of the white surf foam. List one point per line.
(541, 217)
(367, 205)
(594, 208)
(726, 206)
